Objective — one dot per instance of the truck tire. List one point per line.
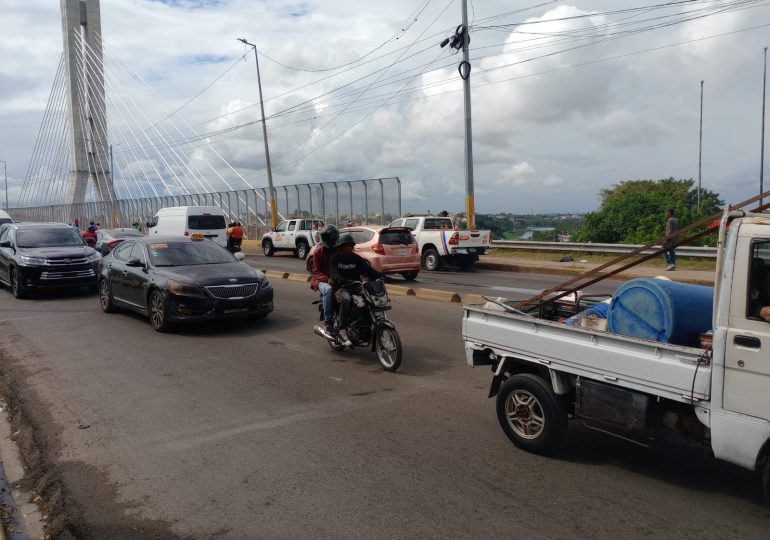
(431, 260)
(302, 250)
(765, 477)
(267, 248)
(531, 415)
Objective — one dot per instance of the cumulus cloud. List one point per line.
(561, 106)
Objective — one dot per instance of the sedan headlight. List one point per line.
(95, 256)
(32, 261)
(183, 289)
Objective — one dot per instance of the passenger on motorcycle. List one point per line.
(347, 267)
(321, 280)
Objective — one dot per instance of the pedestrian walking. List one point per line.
(672, 225)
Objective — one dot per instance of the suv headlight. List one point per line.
(32, 261)
(176, 287)
(95, 256)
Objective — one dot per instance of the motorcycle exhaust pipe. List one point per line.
(321, 331)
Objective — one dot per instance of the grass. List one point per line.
(683, 263)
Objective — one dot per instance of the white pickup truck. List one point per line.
(296, 235)
(546, 372)
(439, 242)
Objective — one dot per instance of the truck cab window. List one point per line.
(281, 227)
(759, 282)
(292, 225)
(411, 223)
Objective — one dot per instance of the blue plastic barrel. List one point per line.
(661, 310)
(598, 310)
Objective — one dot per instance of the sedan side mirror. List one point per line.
(135, 263)
(240, 256)
(5, 244)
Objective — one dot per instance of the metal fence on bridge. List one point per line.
(372, 201)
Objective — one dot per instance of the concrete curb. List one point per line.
(253, 245)
(473, 299)
(277, 274)
(440, 296)
(298, 277)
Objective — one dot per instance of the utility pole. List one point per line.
(470, 205)
(700, 144)
(5, 175)
(273, 208)
(762, 150)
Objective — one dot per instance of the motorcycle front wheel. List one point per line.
(388, 348)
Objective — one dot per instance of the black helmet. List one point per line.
(329, 235)
(346, 239)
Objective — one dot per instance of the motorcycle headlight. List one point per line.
(32, 261)
(183, 289)
(93, 257)
(380, 300)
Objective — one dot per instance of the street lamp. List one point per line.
(5, 175)
(273, 208)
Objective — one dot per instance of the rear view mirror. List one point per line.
(240, 255)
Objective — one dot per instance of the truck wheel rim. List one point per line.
(430, 261)
(302, 251)
(525, 414)
(156, 310)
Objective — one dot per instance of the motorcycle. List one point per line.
(368, 325)
(234, 245)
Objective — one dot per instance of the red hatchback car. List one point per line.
(390, 250)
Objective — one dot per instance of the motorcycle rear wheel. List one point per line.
(388, 348)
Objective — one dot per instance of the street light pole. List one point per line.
(273, 207)
(5, 175)
(700, 144)
(470, 203)
(762, 151)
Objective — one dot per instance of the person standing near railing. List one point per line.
(672, 225)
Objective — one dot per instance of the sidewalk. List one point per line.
(536, 266)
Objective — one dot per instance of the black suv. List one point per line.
(45, 255)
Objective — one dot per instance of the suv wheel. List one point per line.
(302, 249)
(267, 248)
(18, 289)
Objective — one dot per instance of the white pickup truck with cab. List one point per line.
(296, 235)
(439, 242)
(546, 372)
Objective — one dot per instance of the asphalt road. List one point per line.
(258, 430)
(512, 285)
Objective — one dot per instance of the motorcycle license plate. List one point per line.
(402, 252)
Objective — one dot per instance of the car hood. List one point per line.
(212, 274)
(70, 252)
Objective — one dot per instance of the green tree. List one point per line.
(632, 212)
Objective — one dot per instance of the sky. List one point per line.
(568, 97)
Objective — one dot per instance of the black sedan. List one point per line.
(179, 279)
(36, 255)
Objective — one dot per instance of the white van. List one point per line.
(5, 218)
(186, 220)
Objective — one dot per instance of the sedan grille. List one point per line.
(231, 292)
(68, 275)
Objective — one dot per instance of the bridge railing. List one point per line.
(370, 201)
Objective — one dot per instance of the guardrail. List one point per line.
(682, 251)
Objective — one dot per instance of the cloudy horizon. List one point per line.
(569, 97)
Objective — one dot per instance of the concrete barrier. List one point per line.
(399, 290)
(473, 299)
(298, 277)
(277, 274)
(439, 296)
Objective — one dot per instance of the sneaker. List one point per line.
(671, 267)
(344, 339)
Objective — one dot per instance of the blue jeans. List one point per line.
(670, 257)
(327, 297)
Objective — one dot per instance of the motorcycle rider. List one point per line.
(321, 281)
(347, 267)
(234, 236)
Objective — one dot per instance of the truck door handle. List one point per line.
(750, 342)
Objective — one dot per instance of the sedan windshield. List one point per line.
(34, 238)
(188, 253)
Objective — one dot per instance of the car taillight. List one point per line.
(454, 240)
(113, 243)
(186, 233)
(379, 249)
